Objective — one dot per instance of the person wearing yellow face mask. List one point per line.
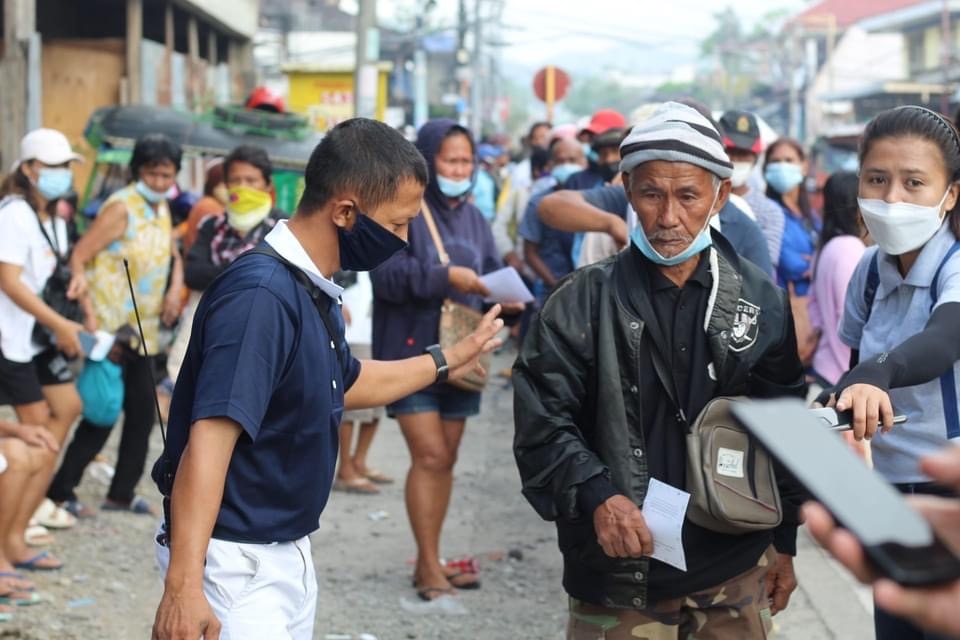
(211, 204)
(221, 237)
(249, 216)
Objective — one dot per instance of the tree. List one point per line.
(746, 64)
(589, 93)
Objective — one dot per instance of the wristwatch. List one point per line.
(442, 369)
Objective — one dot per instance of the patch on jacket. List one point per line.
(746, 326)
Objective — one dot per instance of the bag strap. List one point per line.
(316, 294)
(55, 247)
(434, 233)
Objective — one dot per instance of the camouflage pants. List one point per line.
(734, 610)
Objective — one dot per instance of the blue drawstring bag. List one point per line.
(100, 386)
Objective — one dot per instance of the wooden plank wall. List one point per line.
(79, 76)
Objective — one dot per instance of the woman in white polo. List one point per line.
(902, 313)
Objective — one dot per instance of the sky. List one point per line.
(642, 36)
(647, 36)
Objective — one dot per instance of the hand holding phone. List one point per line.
(931, 608)
(895, 539)
(842, 420)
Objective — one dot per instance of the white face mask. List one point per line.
(741, 171)
(900, 227)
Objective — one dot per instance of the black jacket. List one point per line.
(576, 396)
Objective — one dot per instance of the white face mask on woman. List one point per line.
(901, 227)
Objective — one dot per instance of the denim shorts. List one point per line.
(451, 403)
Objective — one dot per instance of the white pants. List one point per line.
(258, 591)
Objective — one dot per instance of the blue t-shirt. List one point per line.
(260, 355)
(582, 180)
(796, 253)
(555, 246)
(485, 195)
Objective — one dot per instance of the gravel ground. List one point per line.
(363, 550)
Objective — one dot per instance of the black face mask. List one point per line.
(367, 245)
(609, 171)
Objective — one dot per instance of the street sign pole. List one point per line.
(550, 85)
(551, 90)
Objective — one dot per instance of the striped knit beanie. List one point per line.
(676, 133)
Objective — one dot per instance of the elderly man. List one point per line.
(623, 357)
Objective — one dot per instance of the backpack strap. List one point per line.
(948, 381)
(316, 294)
(935, 284)
(873, 282)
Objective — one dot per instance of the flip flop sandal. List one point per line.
(38, 536)
(49, 515)
(360, 486)
(33, 563)
(29, 599)
(473, 584)
(424, 594)
(17, 576)
(138, 505)
(78, 509)
(377, 477)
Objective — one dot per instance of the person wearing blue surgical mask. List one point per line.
(251, 452)
(549, 251)
(39, 329)
(785, 169)
(622, 358)
(132, 227)
(409, 290)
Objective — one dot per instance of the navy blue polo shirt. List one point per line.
(260, 355)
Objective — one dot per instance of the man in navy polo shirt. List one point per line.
(252, 443)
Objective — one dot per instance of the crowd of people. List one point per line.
(674, 259)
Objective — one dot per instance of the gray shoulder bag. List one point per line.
(730, 477)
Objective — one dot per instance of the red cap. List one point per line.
(604, 120)
(266, 99)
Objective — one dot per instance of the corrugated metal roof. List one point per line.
(849, 12)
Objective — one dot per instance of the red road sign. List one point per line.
(561, 84)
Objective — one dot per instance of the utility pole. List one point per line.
(476, 95)
(793, 118)
(134, 41)
(19, 25)
(421, 109)
(946, 53)
(365, 75)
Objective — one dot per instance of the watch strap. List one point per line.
(438, 358)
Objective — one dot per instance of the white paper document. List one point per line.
(505, 285)
(664, 510)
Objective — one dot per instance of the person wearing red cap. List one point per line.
(601, 122)
(601, 141)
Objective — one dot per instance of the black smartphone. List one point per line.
(842, 420)
(899, 543)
